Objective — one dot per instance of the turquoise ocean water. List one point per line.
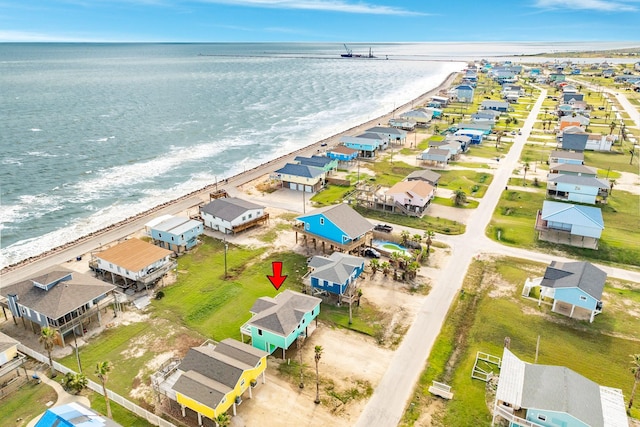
(94, 133)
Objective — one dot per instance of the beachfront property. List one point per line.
(425, 175)
(389, 135)
(232, 215)
(463, 93)
(327, 164)
(549, 396)
(421, 116)
(410, 197)
(336, 274)
(569, 224)
(574, 287)
(135, 262)
(569, 157)
(402, 123)
(438, 102)
(436, 155)
(367, 144)
(501, 106)
(299, 177)
(74, 414)
(175, 233)
(342, 153)
(212, 378)
(339, 227)
(65, 300)
(276, 323)
(578, 188)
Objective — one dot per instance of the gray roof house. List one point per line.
(574, 141)
(390, 134)
(548, 396)
(436, 155)
(426, 175)
(59, 298)
(578, 188)
(335, 273)
(572, 169)
(494, 105)
(561, 156)
(231, 214)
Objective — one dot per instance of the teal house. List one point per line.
(277, 322)
(327, 164)
(551, 396)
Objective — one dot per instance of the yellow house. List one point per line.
(8, 349)
(214, 378)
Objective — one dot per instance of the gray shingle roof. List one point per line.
(570, 167)
(228, 208)
(560, 154)
(62, 298)
(317, 161)
(200, 388)
(387, 130)
(581, 275)
(6, 342)
(425, 175)
(283, 317)
(579, 180)
(305, 171)
(574, 141)
(339, 269)
(345, 218)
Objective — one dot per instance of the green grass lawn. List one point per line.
(332, 194)
(471, 182)
(448, 201)
(488, 149)
(439, 225)
(26, 403)
(479, 320)
(614, 161)
(121, 415)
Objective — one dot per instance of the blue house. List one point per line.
(502, 106)
(389, 135)
(278, 322)
(339, 226)
(575, 288)
(475, 136)
(366, 144)
(323, 162)
(565, 223)
(464, 93)
(551, 396)
(569, 157)
(175, 233)
(335, 273)
(485, 127)
(342, 153)
(577, 188)
(74, 414)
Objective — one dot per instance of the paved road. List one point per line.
(386, 406)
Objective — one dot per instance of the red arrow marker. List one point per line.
(277, 279)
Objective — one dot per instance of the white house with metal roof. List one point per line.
(550, 396)
(174, 232)
(231, 214)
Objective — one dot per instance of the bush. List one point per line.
(159, 295)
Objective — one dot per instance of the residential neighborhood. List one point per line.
(356, 282)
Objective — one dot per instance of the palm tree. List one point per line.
(223, 420)
(428, 234)
(385, 266)
(459, 198)
(405, 236)
(318, 355)
(102, 371)
(375, 266)
(417, 238)
(635, 370)
(499, 138)
(412, 269)
(612, 126)
(48, 339)
(74, 382)
(525, 168)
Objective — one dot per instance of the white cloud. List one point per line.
(320, 5)
(599, 5)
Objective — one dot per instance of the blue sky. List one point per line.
(319, 20)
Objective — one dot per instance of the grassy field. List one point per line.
(491, 308)
(121, 415)
(448, 201)
(439, 225)
(471, 182)
(26, 403)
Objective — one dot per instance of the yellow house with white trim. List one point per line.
(214, 378)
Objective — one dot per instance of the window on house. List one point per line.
(321, 221)
(244, 218)
(250, 216)
(242, 382)
(542, 417)
(118, 268)
(583, 298)
(260, 332)
(159, 235)
(224, 399)
(110, 265)
(172, 238)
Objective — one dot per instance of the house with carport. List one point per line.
(276, 323)
(299, 177)
(336, 274)
(425, 175)
(133, 262)
(390, 135)
(435, 155)
(175, 233)
(569, 224)
(367, 144)
(420, 116)
(534, 395)
(410, 197)
(577, 188)
(212, 378)
(338, 227)
(574, 287)
(231, 215)
(64, 300)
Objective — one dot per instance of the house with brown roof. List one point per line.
(58, 298)
(135, 262)
(411, 196)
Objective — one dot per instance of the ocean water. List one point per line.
(95, 133)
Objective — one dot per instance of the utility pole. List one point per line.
(226, 248)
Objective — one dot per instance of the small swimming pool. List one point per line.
(388, 246)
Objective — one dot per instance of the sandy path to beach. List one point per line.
(189, 202)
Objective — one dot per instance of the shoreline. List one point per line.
(103, 235)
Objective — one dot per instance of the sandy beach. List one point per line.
(191, 201)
